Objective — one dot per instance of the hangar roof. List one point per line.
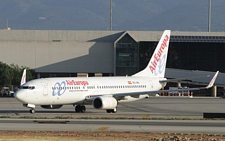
(91, 35)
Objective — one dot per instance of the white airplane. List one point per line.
(101, 92)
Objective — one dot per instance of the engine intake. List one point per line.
(105, 102)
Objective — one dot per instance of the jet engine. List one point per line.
(51, 106)
(105, 102)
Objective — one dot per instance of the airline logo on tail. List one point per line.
(23, 79)
(158, 64)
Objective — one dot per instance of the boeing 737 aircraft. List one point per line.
(101, 92)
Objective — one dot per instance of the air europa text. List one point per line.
(158, 54)
(72, 82)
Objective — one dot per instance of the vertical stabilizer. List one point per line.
(157, 64)
(23, 79)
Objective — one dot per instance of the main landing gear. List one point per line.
(32, 110)
(80, 108)
(111, 110)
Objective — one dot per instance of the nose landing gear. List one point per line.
(31, 106)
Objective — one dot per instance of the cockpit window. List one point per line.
(31, 87)
(27, 87)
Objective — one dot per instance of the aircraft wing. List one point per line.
(183, 80)
(211, 83)
(151, 93)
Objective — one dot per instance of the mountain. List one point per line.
(180, 15)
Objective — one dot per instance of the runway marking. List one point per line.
(145, 117)
(103, 128)
(50, 122)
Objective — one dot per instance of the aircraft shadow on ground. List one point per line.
(38, 112)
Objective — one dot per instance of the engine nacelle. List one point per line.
(51, 106)
(105, 102)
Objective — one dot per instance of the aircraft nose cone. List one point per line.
(18, 95)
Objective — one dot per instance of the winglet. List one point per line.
(23, 79)
(211, 83)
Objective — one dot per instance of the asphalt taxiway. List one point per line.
(162, 126)
(164, 107)
(132, 116)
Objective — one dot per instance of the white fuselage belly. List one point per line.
(55, 91)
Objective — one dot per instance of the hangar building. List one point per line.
(57, 53)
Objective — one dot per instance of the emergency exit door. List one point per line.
(45, 89)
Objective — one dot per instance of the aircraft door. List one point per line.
(45, 88)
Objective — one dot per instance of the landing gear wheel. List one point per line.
(83, 109)
(32, 110)
(114, 110)
(111, 110)
(77, 109)
(108, 111)
(80, 109)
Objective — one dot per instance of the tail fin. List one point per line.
(157, 64)
(23, 79)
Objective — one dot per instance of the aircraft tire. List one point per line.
(32, 110)
(108, 111)
(80, 109)
(111, 110)
(77, 109)
(83, 109)
(114, 110)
